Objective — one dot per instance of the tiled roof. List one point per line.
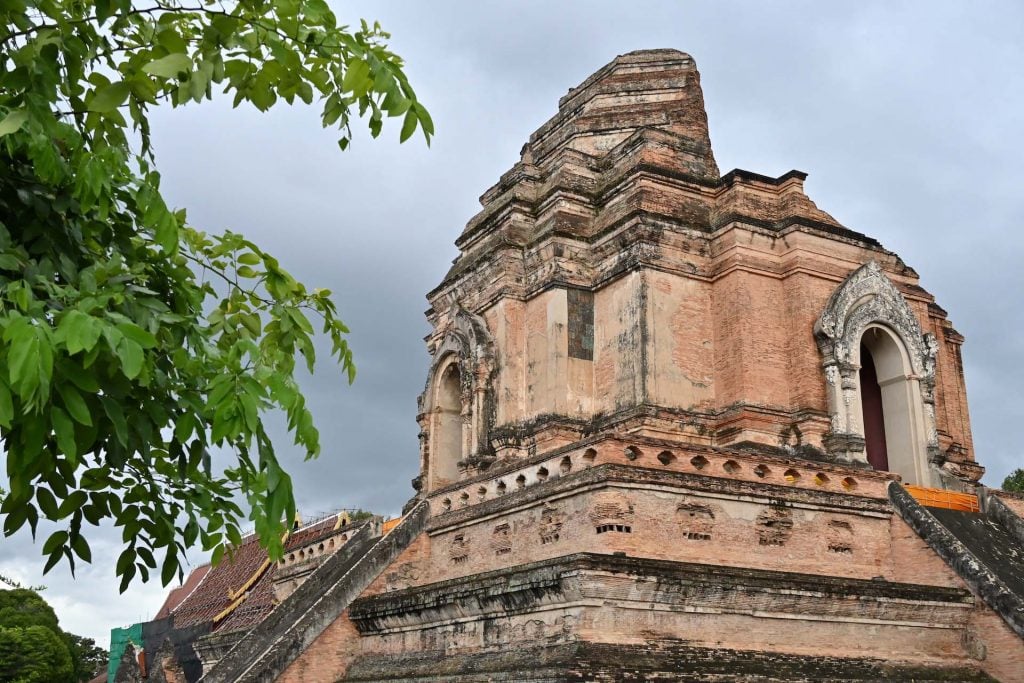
(260, 601)
(212, 595)
(255, 607)
(207, 592)
(177, 595)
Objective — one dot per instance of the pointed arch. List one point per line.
(868, 311)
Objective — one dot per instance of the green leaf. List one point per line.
(109, 97)
(125, 560)
(169, 569)
(64, 429)
(47, 503)
(408, 126)
(13, 122)
(30, 358)
(147, 557)
(72, 503)
(126, 578)
(24, 347)
(252, 322)
(55, 542)
(425, 121)
(79, 331)
(81, 548)
(132, 357)
(138, 335)
(53, 560)
(170, 66)
(6, 405)
(249, 258)
(115, 412)
(357, 77)
(75, 404)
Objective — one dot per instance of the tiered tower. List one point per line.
(664, 436)
(615, 286)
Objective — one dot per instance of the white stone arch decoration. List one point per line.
(868, 299)
(466, 348)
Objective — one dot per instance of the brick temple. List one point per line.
(677, 426)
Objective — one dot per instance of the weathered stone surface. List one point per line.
(642, 446)
(988, 557)
(702, 292)
(655, 661)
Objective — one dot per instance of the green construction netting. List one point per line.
(119, 639)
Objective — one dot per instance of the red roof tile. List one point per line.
(177, 595)
(211, 596)
(209, 592)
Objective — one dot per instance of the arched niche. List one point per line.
(867, 312)
(457, 405)
(885, 372)
(447, 427)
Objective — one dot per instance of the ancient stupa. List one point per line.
(678, 425)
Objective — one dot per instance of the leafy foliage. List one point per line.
(1014, 481)
(88, 659)
(34, 655)
(34, 648)
(359, 514)
(131, 344)
(12, 582)
(21, 608)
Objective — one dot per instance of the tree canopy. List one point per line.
(138, 354)
(1014, 481)
(34, 648)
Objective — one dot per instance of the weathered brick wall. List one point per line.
(606, 599)
(679, 373)
(706, 287)
(998, 649)
(675, 525)
(328, 657)
(1013, 501)
(917, 563)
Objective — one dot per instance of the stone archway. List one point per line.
(457, 405)
(903, 426)
(868, 309)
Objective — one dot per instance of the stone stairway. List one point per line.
(985, 548)
(267, 650)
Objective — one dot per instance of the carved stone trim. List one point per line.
(868, 297)
(465, 341)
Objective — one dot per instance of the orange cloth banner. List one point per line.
(940, 498)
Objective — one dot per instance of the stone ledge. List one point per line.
(523, 588)
(658, 660)
(615, 473)
(1001, 512)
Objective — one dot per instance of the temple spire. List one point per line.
(646, 89)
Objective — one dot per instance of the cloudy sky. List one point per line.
(908, 117)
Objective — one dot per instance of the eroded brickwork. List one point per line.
(641, 451)
(706, 289)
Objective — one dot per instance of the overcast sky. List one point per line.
(908, 117)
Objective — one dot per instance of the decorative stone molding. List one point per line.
(466, 343)
(865, 299)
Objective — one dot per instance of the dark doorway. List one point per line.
(874, 418)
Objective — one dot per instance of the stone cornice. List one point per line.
(523, 588)
(612, 474)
